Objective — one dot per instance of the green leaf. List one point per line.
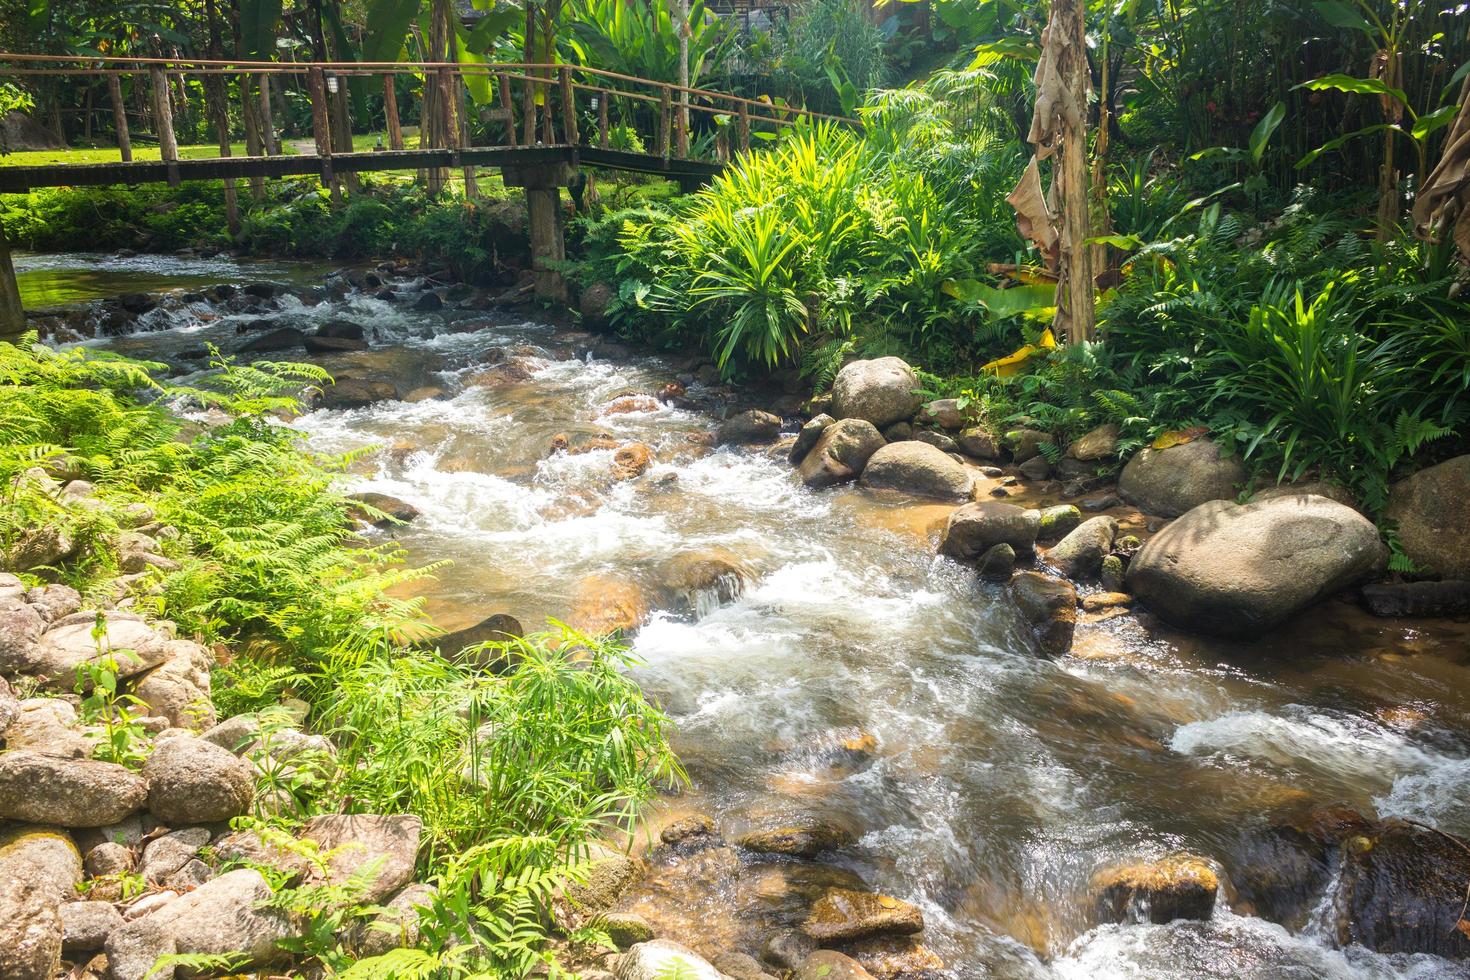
(1343, 140)
(386, 26)
(1261, 135)
(1018, 48)
(1432, 121)
(1359, 86)
(1455, 79)
(1126, 242)
(258, 20)
(1339, 14)
(1002, 302)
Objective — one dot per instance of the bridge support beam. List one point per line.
(543, 186)
(12, 314)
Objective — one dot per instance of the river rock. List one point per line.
(609, 873)
(828, 964)
(1036, 469)
(662, 959)
(844, 915)
(352, 841)
(1168, 482)
(394, 511)
(41, 789)
(356, 392)
(1049, 607)
(917, 468)
(745, 428)
(179, 688)
(1026, 443)
(1057, 522)
(840, 453)
(86, 925)
(9, 707)
(317, 344)
(39, 870)
(804, 840)
(397, 925)
(880, 391)
(1179, 887)
(191, 781)
(626, 929)
(602, 606)
(284, 338)
(20, 631)
(807, 438)
(891, 957)
(739, 966)
(1393, 599)
(997, 563)
(499, 628)
(631, 460)
(54, 601)
(1080, 553)
(898, 432)
(50, 726)
(1095, 443)
(1402, 890)
(341, 329)
(428, 302)
(975, 528)
(164, 855)
(1432, 511)
(65, 647)
(943, 412)
(1239, 570)
(221, 917)
(692, 579)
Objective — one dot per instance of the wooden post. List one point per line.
(163, 116)
(457, 125)
(269, 141)
(507, 106)
(1080, 316)
(569, 129)
(390, 113)
(12, 314)
(742, 128)
(681, 127)
(217, 100)
(321, 129)
(548, 129)
(340, 119)
(665, 119)
(548, 249)
(602, 131)
(249, 112)
(119, 116)
(528, 103)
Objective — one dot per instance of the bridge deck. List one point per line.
(18, 180)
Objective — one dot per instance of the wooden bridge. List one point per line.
(551, 120)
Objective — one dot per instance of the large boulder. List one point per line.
(807, 437)
(1178, 887)
(1048, 605)
(1168, 482)
(840, 453)
(50, 726)
(975, 528)
(881, 391)
(39, 870)
(352, 841)
(1402, 890)
(844, 915)
(178, 689)
(133, 645)
(662, 959)
(917, 468)
(945, 413)
(1432, 511)
(1239, 570)
(20, 630)
(1081, 552)
(751, 426)
(43, 789)
(1095, 443)
(191, 781)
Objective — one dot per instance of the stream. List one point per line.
(856, 679)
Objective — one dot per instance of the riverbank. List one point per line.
(841, 693)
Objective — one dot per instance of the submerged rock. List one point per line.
(887, 957)
(1168, 482)
(1239, 570)
(917, 468)
(603, 606)
(748, 427)
(1432, 512)
(1180, 887)
(805, 840)
(843, 915)
(1402, 890)
(880, 391)
(840, 453)
(1390, 599)
(1049, 607)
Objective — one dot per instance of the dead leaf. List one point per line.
(1178, 437)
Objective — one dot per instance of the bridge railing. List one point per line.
(536, 104)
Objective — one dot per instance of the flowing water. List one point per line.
(861, 681)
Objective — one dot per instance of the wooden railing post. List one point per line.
(119, 116)
(269, 141)
(12, 313)
(163, 116)
(602, 110)
(508, 107)
(665, 120)
(390, 112)
(457, 125)
(569, 127)
(681, 126)
(321, 129)
(250, 113)
(742, 127)
(528, 110)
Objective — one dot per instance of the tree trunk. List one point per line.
(119, 116)
(12, 314)
(1079, 317)
(163, 118)
(270, 142)
(683, 13)
(390, 113)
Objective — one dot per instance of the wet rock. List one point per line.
(223, 916)
(20, 631)
(1057, 522)
(1036, 469)
(886, 957)
(1179, 887)
(317, 344)
(1113, 574)
(353, 392)
(1104, 502)
(661, 959)
(627, 404)
(1168, 482)
(748, 427)
(609, 874)
(805, 840)
(844, 915)
(1402, 890)
(978, 442)
(807, 438)
(86, 926)
(943, 412)
(828, 964)
(840, 453)
(919, 469)
(284, 338)
(179, 688)
(787, 950)
(353, 841)
(603, 606)
(1395, 599)
(499, 628)
(41, 789)
(39, 870)
(997, 563)
(1105, 600)
(1239, 570)
(626, 929)
(1049, 607)
(167, 854)
(632, 460)
(1095, 443)
(424, 393)
(341, 330)
(263, 290)
(191, 781)
(428, 302)
(739, 966)
(691, 831)
(395, 511)
(1080, 553)
(137, 303)
(1432, 511)
(975, 528)
(397, 925)
(880, 391)
(1026, 443)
